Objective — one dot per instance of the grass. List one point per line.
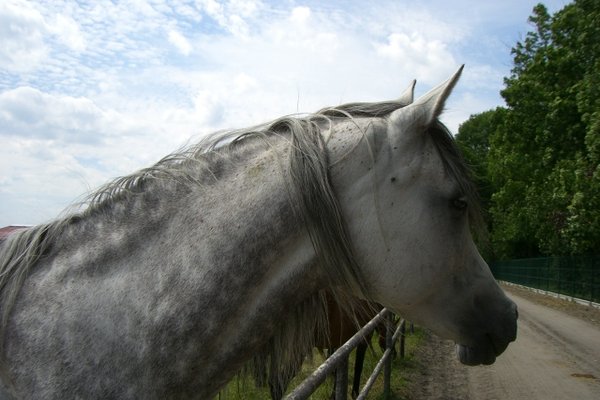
(244, 389)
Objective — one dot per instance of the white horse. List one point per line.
(215, 260)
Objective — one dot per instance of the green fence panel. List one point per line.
(577, 276)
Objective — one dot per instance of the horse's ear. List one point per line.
(428, 107)
(407, 97)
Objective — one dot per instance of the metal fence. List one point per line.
(338, 362)
(576, 276)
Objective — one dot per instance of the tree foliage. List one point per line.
(538, 158)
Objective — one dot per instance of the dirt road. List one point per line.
(556, 356)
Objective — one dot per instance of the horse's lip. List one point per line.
(476, 355)
(500, 345)
(484, 350)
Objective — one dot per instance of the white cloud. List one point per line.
(245, 8)
(28, 112)
(300, 15)
(90, 91)
(484, 77)
(429, 57)
(55, 148)
(466, 103)
(231, 16)
(25, 35)
(180, 42)
(22, 31)
(68, 32)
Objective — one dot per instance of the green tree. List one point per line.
(473, 138)
(542, 153)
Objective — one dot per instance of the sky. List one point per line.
(93, 90)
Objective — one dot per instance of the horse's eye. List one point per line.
(460, 203)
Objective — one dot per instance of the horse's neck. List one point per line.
(193, 287)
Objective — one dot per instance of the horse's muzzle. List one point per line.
(491, 345)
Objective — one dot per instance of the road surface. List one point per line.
(556, 357)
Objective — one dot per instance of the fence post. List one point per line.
(389, 344)
(402, 335)
(574, 273)
(547, 276)
(592, 284)
(559, 283)
(341, 380)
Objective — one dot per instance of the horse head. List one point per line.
(409, 205)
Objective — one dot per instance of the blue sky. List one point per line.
(93, 90)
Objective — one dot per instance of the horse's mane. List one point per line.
(312, 198)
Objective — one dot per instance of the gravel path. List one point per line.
(556, 356)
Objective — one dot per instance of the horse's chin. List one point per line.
(468, 355)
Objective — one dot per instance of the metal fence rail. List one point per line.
(340, 359)
(576, 276)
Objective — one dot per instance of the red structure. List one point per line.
(8, 230)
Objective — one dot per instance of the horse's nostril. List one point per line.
(516, 310)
